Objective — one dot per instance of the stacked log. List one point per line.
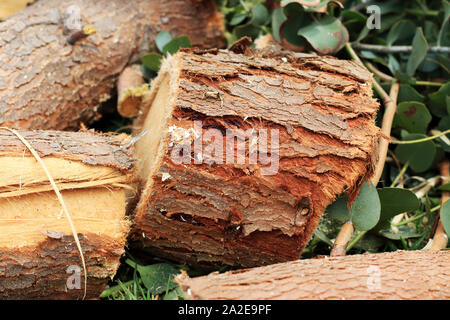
(50, 79)
(306, 134)
(39, 258)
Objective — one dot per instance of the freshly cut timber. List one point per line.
(39, 258)
(408, 275)
(306, 134)
(50, 78)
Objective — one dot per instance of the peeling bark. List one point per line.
(46, 83)
(213, 213)
(411, 275)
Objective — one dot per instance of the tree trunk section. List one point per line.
(47, 83)
(39, 258)
(206, 210)
(409, 275)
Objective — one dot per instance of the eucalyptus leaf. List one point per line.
(278, 17)
(413, 116)
(420, 155)
(445, 216)
(402, 29)
(408, 93)
(162, 39)
(152, 61)
(260, 14)
(395, 201)
(438, 101)
(326, 35)
(366, 208)
(418, 53)
(338, 210)
(401, 232)
(176, 44)
(157, 278)
(248, 29)
(237, 19)
(445, 187)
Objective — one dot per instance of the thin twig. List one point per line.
(396, 49)
(60, 198)
(420, 140)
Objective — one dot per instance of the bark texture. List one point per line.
(394, 275)
(91, 148)
(40, 272)
(36, 244)
(46, 83)
(214, 213)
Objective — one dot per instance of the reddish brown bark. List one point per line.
(214, 214)
(47, 83)
(393, 275)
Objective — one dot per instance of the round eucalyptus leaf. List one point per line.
(395, 201)
(260, 14)
(420, 155)
(413, 117)
(175, 44)
(162, 39)
(438, 103)
(326, 35)
(365, 210)
(237, 19)
(278, 17)
(338, 210)
(152, 61)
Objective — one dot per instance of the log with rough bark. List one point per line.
(47, 83)
(39, 258)
(305, 131)
(412, 275)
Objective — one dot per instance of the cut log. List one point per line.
(131, 90)
(314, 116)
(39, 258)
(47, 83)
(412, 275)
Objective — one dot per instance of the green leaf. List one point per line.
(290, 28)
(413, 116)
(445, 216)
(438, 101)
(418, 53)
(366, 208)
(152, 61)
(175, 44)
(401, 232)
(237, 19)
(260, 15)
(445, 187)
(408, 93)
(420, 155)
(338, 210)
(248, 29)
(402, 29)
(326, 36)
(162, 39)
(278, 18)
(395, 201)
(158, 277)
